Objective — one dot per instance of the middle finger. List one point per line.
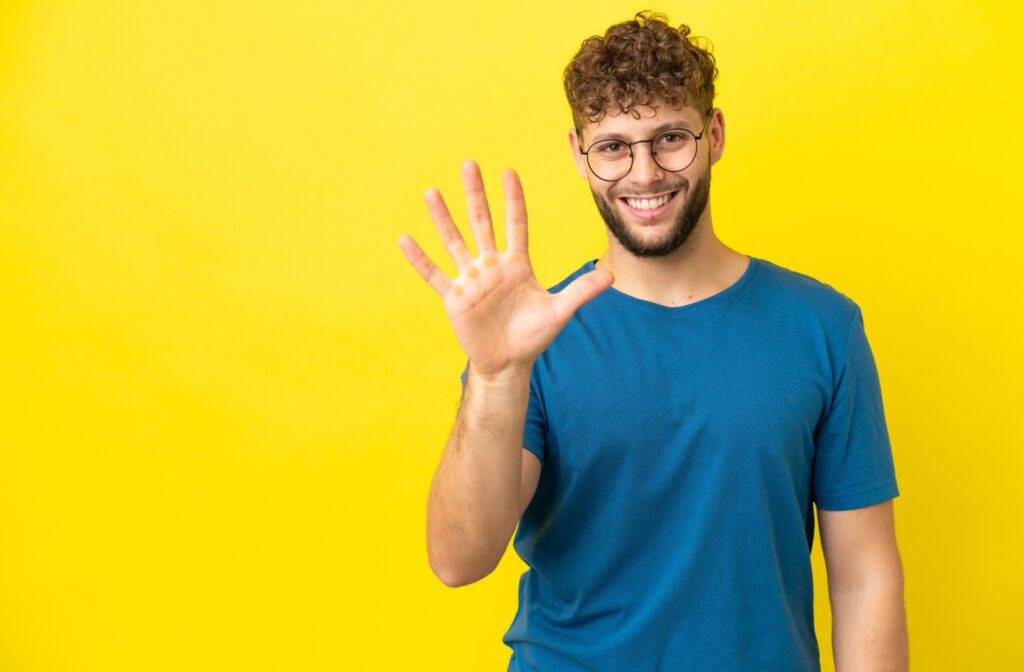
(479, 213)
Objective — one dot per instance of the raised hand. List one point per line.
(503, 318)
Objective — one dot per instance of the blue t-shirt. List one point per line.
(682, 447)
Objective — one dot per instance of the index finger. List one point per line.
(515, 213)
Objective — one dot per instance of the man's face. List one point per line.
(658, 231)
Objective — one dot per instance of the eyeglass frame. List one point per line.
(632, 158)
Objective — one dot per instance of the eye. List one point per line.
(673, 139)
(610, 148)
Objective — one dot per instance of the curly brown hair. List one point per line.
(635, 63)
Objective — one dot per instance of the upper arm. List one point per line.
(853, 462)
(860, 545)
(531, 475)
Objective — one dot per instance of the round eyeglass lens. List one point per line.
(612, 159)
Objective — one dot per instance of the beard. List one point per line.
(682, 227)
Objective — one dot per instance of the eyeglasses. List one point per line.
(672, 150)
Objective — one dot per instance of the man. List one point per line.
(659, 423)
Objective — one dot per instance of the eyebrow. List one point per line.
(655, 131)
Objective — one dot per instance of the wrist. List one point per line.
(513, 374)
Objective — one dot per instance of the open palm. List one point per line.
(501, 315)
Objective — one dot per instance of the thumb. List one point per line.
(579, 291)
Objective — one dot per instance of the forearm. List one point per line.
(473, 504)
(869, 629)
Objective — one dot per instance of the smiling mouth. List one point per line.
(648, 208)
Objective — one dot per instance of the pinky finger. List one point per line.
(427, 269)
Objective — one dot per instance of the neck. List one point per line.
(701, 267)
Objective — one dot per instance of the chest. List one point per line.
(681, 402)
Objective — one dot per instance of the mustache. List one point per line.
(653, 189)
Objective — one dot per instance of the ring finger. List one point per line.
(450, 236)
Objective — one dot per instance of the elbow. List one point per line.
(456, 577)
(457, 558)
(453, 580)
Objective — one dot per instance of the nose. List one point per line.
(645, 170)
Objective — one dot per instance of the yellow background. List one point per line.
(225, 391)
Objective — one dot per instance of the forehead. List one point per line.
(653, 117)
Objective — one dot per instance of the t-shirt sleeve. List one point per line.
(853, 464)
(534, 430)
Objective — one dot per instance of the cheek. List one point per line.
(599, 189)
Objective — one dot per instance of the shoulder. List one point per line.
(805, 293)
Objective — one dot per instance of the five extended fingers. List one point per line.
(480, 223)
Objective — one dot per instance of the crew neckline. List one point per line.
(658, 308)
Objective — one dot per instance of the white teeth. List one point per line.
(648, 203)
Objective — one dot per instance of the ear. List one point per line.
(716, 135)
(574, 145)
